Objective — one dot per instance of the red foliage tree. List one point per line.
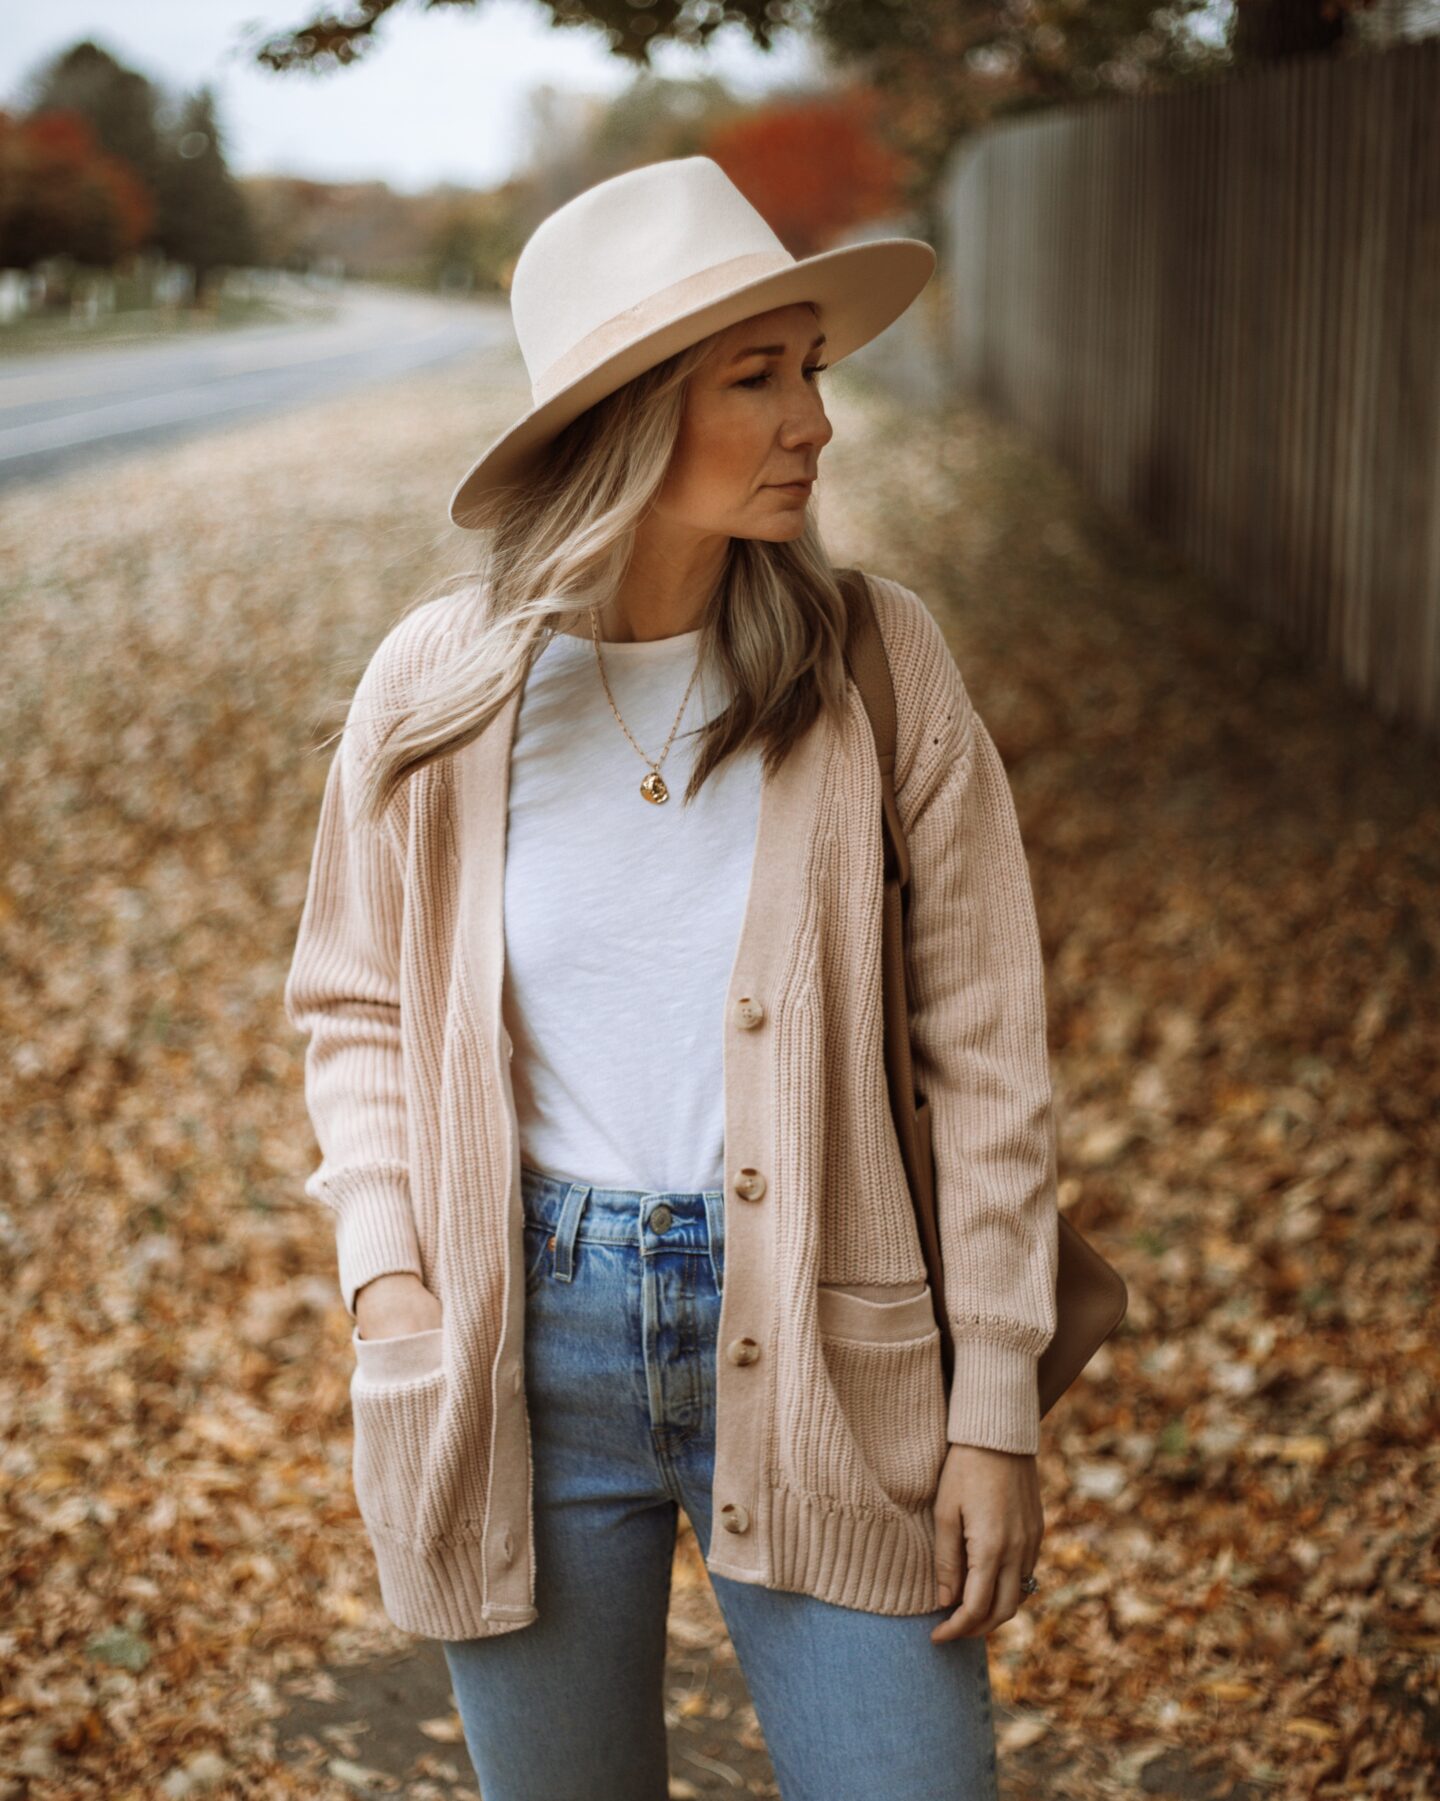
(812, 167)
(60, 194)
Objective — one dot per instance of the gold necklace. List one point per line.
(653, 786)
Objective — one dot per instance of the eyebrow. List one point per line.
(771, 349)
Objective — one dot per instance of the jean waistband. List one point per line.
(651, 1219)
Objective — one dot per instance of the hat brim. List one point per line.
(859, 289)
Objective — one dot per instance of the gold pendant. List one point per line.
(653, 787)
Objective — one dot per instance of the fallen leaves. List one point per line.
(1235, 875)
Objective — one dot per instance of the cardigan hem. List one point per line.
(874, 1562)
(436, 1590)
(880, 1562)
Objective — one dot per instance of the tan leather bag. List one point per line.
(1090, 1294)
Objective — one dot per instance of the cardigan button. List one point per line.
(748, 1012)
(507, 1546)
(749, 1184)
(742, 1350)
(735, 1517)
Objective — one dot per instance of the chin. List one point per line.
(788, 523)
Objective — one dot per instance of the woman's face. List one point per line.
(753, 419)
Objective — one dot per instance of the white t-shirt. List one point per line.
(622, 917)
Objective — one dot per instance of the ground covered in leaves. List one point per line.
(1236, 869)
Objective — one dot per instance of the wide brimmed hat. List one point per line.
(648, 262)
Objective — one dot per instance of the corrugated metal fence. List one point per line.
(1221, 308)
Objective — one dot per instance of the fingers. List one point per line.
(977, 1597)
(1007, 1592)
(991, 1593)
(949, 1555)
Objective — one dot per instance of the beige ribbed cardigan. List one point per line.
(829, 1443)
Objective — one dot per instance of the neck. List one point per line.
(672, 573)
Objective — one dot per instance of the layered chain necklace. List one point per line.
(653, 785)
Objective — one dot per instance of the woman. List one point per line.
(597, 1072)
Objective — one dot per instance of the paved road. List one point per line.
(60, 410)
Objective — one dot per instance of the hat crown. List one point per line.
(620, 244)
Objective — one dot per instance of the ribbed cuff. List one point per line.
(995, 1397)
(375, 1236)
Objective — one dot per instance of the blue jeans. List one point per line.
(621, 1322)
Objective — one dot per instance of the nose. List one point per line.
(808, 425)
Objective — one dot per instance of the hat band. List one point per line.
(638, 321)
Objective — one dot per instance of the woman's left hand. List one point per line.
(988, 1526)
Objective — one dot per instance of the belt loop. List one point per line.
(715, 1234)
(569, 1224)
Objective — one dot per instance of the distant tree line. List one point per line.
(99, 165)
(814, 163)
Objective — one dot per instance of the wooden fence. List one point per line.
(1221, 309)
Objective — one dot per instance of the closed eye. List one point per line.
(752, 381)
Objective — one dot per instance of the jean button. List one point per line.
(661, 1219)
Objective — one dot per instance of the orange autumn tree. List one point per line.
(813, 168)
(61, 194)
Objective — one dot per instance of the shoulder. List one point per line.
(934, 715)
(413, 647)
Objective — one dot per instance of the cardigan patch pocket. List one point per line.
(395, 1396)
(883, 1361)
(396, 1359)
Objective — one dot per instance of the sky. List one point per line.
(440, 97)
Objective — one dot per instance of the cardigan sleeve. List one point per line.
(343, 991)
(978, 1036)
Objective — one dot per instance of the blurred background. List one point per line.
(1160, 447)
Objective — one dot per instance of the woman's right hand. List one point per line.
(394, 1305)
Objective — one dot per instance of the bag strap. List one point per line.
(869, 668)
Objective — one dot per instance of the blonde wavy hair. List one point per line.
(774, 626)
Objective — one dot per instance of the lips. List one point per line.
(806, 485)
